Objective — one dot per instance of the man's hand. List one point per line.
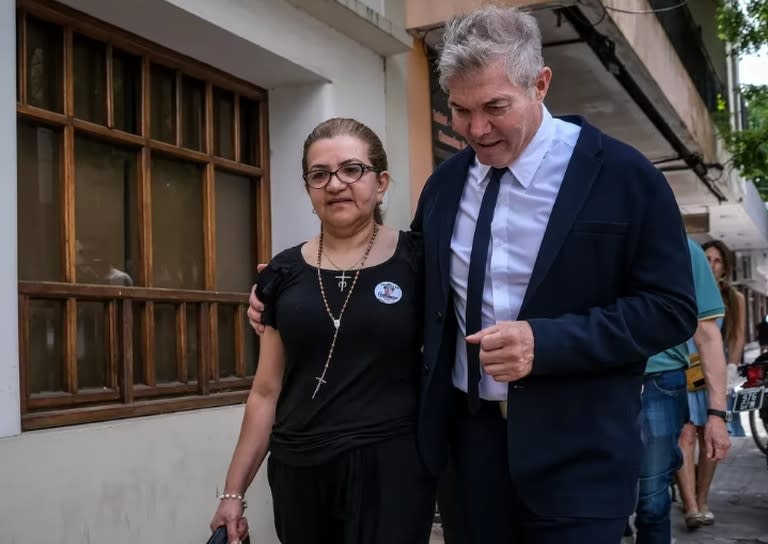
(716, 440)
(256, 308)
(506, 350)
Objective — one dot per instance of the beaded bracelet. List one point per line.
(235, 497)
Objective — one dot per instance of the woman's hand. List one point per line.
(230, 515)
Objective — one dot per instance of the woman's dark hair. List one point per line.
(338, 126)
(727, 291)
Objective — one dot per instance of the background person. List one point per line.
(734, 324)
(665, 409)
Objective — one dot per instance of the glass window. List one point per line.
(226, 315)
(166, 357)
(126, 91)
(192, 112)
(39, 200)
(91, 349)
(234, 232)
(45, 350)
(90, 79)
(45, 61)
(193, 342)
(106, 214)
(163, 104)
(177, 224)
(223, 123)
(249, 132)
(118, 234)
(139, 353)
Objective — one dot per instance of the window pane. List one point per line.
(223, 123)
(192, 101)
(163, 104)
(126, 90)
(46, 346)
(234, 232)
(226, 326)
(39, 204)
(165, 343)
(249, 131)
(90, 79)
(106, 213)
(91, 346)
(139, 356)
(45, 59)
(177, 224)
(193, 345)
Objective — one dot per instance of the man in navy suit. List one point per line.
(556, 264)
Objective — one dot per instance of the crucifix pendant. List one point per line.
(320, 381)
(343, 280)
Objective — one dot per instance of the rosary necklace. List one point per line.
(343, 276)
(337, 320)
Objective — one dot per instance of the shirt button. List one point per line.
(439, 316)
(426, 369)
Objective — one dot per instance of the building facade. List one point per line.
(152, 157)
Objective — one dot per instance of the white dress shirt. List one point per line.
(526, 196)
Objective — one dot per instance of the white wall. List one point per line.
(397, 210)
(151, 480)
(9, 353)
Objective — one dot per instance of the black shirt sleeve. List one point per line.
(273, 279)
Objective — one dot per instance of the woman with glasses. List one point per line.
(334, 399)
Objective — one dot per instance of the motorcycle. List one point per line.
(751, 397)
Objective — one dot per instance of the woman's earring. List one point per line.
(314, 211)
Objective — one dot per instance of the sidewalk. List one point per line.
(739, 499)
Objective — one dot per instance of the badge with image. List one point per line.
(388, 292)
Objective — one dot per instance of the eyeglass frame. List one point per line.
(331, 173)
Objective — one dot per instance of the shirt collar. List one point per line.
(529, 161)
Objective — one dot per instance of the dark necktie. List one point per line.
(475, 283)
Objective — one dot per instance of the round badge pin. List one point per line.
(388, 292)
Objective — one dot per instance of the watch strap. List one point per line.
(725, 416)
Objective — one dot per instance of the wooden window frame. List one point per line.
(122, 398)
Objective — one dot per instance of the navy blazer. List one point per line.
(611, 286)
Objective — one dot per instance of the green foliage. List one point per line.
(744, 23)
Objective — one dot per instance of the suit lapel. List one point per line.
(447, 208)
(583, 169)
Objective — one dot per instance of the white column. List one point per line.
(10, 418)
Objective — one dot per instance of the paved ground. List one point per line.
(739, 499)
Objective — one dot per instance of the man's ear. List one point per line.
(541, 86)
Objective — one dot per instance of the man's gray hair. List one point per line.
(475, 40)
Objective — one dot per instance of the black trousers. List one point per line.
(491, 506)
(377, 494)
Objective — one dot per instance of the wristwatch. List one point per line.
(725, 416)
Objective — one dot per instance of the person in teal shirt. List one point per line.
(665, 407)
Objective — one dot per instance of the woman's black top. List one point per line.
(372, 382)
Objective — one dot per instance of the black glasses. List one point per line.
(349, 173)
